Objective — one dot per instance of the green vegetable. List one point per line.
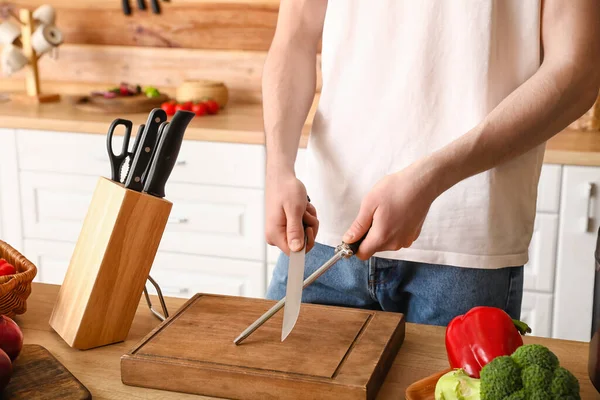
(518, 395)
(535, 354)
(536, 379)
(151, 91)
(564, 385)
(500, 378)
(457, 385)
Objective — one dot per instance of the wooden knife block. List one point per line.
(109, 266)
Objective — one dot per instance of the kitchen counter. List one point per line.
(242, 123)
(422, 354)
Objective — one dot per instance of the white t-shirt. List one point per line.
(402, 78)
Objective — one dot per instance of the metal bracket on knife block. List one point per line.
(160, 298)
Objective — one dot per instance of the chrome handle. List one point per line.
(177, 221)
(180, 163)
(587, 222)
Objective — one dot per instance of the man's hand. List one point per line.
(287, 209)
(393, 213)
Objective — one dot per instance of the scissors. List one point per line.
(119, 167)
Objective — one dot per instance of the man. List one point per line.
(428, 138)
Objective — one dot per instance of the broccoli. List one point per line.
(564, 385)
(532, 372)
(518, 395)
(457, 385)
(500, 378)
(537, 354)
(536, 380)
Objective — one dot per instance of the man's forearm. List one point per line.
(540, 108)
(289, 82)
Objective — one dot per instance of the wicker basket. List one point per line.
(15, 289)
(590, 121)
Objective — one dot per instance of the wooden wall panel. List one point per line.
(165, 67)
(195, 24)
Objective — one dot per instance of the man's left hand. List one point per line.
(393, 213)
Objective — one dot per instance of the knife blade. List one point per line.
(293, 294)
(166, 154)
(344, 250)
(143, 153)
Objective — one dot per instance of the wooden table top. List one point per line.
(422, 353)
(243, 123)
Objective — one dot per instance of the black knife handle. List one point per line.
(166, 153)
(126, 7)
(141, 4)
(155, 6)
(144, 150)
(354, 246)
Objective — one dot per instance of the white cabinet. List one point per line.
(183, 275)
(536, 311)
(10, 200)
(539, 270)
(215, 220)
(50, 257)
(54, 205)
(579, 222)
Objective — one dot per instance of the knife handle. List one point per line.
(166, 154)
(354, 246)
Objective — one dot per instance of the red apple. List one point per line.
(11, 337)
(5, 370)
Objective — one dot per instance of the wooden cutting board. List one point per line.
(38, 375)
(332, 353)
(120, 105)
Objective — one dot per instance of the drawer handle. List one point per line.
(181, 163)
(589, 193)
(178, 221)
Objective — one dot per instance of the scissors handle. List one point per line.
(117, 159)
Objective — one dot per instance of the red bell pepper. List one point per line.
(482, 334)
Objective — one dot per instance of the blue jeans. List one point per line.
(424, 293)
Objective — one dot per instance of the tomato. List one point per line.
(212, 106)
(199, 109)
(184, 106)
(7, 269)
(168, 108)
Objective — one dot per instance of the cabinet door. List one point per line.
(549, 188)
(183, 275)
(539, 270)
(215, 221)
(55, 205)
(579, 218)
(51, 259)
(10, 202)
(536, 311)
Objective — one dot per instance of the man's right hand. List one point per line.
(287, 208)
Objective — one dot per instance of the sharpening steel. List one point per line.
(343, 250)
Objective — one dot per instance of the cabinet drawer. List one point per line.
(549, 188)
(51, 259)
(182, 275)
(215, 221)
(54, 205)
(72, 153)
(223, 164)
(536, 311)
(539, 271)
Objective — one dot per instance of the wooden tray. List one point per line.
(425, 388)
(39, 375)
(124, 105)
(332, 353)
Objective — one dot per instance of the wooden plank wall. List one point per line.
(191, 39)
